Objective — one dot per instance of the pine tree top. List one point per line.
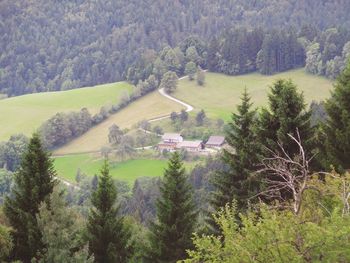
(105, 196)
(171, 234)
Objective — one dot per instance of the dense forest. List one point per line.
(50, 45)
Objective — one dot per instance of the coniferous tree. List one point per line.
(337, 127)
(237, 181)
(62, 229)
(287, 114)
(34, 182)
(107, 235)
(176, 216)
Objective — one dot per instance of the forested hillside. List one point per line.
(59, 45)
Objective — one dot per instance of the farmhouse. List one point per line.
(168, 146)
(215, 142)
(191, 146)
(172, 138)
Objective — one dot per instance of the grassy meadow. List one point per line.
(221, 93)
(24, 114)
(148, 107)
(127, 171)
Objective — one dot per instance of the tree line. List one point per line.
(328, 52)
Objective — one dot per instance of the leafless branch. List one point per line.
(287, 173)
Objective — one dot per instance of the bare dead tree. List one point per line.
(346, 196)
(287, 173)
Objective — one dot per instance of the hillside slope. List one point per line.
(148, 107)
(24, 114)
(221, 93)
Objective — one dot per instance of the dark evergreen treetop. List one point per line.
(286, 114)
(107, 235)
(176, 216)
(34, 182)
(337, 126)
(237, 180)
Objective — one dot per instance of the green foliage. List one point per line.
(280, 51)
(62, 230)
(190, 70)
(6, 181)
(183, 115)
(176, 216)
(11, 151)
(328, 53)
(200, 77)
(174, 116)
(200, 117)
(115, 134)
(5, 243)
(237, 181)
(286, 115)
(274, 236)
(107, 235)
(337, 127)
(169, 82)
(192, 55)
(33, 183)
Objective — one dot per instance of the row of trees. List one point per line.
(63, 127)
(239, 50)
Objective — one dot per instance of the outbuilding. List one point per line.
(191, 146)
(215, 142)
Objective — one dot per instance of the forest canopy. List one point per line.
(59, 45)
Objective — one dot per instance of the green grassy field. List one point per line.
(128, 171)
(221, 93)
(148, 107)
(24, 114)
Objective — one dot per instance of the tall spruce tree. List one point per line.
(236, 181)
(34, 182)
(287, 114)
(109, 239)
(337, 127)
(176, 216)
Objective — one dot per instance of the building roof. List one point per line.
(189, 144)
(171, 136)
(173, 144)
(216, 140)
